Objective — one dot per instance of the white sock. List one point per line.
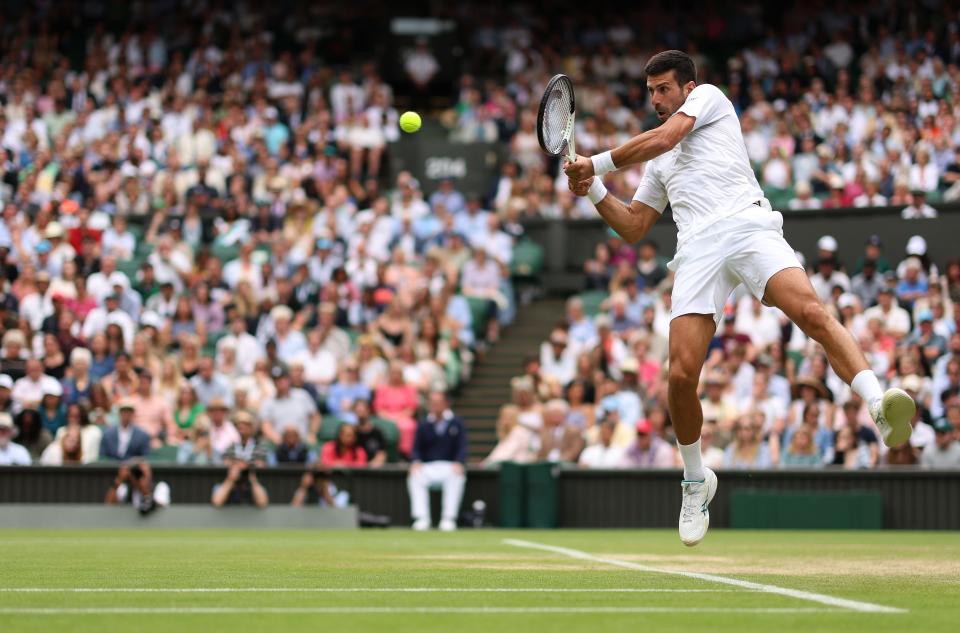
(867, 386)
(692, 461)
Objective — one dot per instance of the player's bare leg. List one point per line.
(790, 290)
(690, 336)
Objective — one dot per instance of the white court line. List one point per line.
(345, 590)
(854, 605)
(393, 610)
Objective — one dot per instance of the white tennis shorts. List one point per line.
(746, 248)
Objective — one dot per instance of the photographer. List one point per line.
(242, 459)
(134, 483)
(316, 488)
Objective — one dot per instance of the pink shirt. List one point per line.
(223, 437)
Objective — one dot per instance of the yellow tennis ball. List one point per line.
(410, 122)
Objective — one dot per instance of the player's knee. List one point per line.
(815, 319)
(683, 376)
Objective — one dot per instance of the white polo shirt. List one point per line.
(707, 176)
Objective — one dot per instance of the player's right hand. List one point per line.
(579, 187)
(579, 170)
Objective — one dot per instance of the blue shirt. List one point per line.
(443, 440)
(340, 391)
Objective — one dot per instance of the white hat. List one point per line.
(281, 312)
(52, 388)
(53, 230)
(827, 243)
(119, 279)
(6, 421)
(847, 300)
(629, 364)
(151, 319)
(6, 381)
(917, 246)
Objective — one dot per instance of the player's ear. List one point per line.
(688, 88)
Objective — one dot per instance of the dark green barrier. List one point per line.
(854, 510)
(529, 495)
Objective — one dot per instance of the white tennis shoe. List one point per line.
(893, 413)
(421, 525)
(448, 525)
(694, 515)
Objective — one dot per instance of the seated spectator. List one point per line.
(242, 460)
(195, 448)
(347, 390)
(134, 484)
(894, 319)
(748, 449)
(31, 434)
(90, 434)
(557, 358)
(67, 450)
(871, 196)
(291, 449)
(223, 434)
(28, 391)
(604, 453)
(13, 361)
(848, 451)
(516, 442)
(648, 450)
(11, 453)
(712, 455)
(918, 209)
(944, 452)
(125, 440)
(396, 400)
(438, 458)
(152, 414)
(560, 441)
(188, 410)
(209, 384)
(53, 413)
(76, 387)
(288, 407)
(804, 199)
(369, 437)
(344, 451)
(801, 451)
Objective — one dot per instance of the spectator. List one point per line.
(369, 437)
(152, 414)
(396, 400)
(804, 199)
(209, 384)
(134, 483)
(866, 285)
(801, 451)
(347, 390)
(31, 434)
(125, 440)
(11, 453)
(748, 449)
(894, 319)
(439, 455)
(648, 450)
(344, 451)
(944, 452)
(557, 358)
(90, 435)
(288, 407)
(28, 391)
(291, 449)
(918, 209)
(559, 440)
(53, 413)
(67, 450)
(223, 434)
(605, 453)
(242, 460)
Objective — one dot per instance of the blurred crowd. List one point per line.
(596, 395)
(841, 106)
(199, 242)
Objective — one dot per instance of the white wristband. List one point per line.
(597, 191)
(602, 163)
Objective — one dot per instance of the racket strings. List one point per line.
(557, 117)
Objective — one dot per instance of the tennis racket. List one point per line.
(555, 119)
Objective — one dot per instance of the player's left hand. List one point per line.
(579, 170)
(579, 188)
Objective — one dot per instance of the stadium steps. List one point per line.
(489, 388)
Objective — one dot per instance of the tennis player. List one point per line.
(727, 235)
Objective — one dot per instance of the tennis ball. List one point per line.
(410, 122)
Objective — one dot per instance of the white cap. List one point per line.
(847, 300)
(917, 246)
(827, 243)
(119, 279)
(6, 381)
(52, 388)
(151, 319)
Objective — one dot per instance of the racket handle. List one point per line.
(571, 151)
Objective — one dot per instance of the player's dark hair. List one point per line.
(679, 62)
